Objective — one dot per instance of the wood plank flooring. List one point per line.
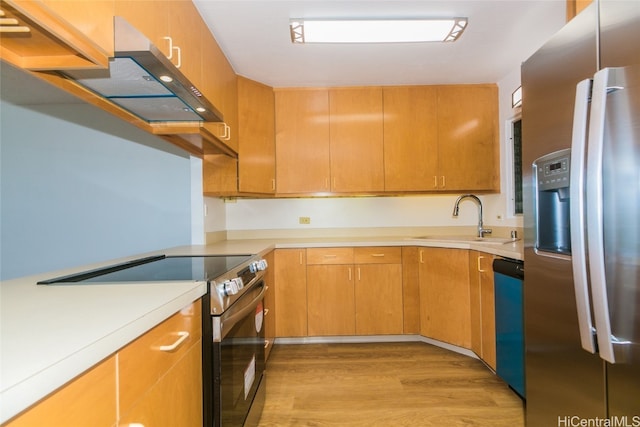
(384, 384)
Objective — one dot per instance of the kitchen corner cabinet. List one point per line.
(444, 295)
(411, 289)
(154, 386)
(256, 135)
(269, 305)
(356, 139)
(482, 294)
(290, 279)
(302, 141)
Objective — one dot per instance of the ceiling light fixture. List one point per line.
(377, 30)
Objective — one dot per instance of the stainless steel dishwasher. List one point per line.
(508, 278)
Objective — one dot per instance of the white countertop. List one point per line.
(51, 334)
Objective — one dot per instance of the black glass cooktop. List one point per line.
(157, 269)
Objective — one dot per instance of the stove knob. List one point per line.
(262, 264)
(229, 287)
(238, 281)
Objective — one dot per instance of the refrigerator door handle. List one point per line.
(577, 217)
(595, 215)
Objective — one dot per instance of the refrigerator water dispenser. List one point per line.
(551, 205)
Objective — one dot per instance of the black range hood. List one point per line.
(143, 81)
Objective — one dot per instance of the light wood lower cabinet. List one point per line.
(160, 373)
(157, 377)
(269, 305)
(290, 277)
(482, 293)
(378, 290)
(444, 295)
(88, 400)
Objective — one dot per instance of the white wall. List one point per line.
(73, 194)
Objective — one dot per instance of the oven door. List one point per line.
(238, 361)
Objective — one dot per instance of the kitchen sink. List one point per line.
(468, 239)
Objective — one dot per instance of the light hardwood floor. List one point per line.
(384, 384)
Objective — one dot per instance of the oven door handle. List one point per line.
(228, 323)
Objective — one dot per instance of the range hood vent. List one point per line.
(141, 80)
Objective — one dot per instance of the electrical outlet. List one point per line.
(304, 220)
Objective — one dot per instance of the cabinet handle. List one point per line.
(179, 64)
(359, 278)
(265, 311)
(182, 336)
(273, 184)
(227, 132)
(349, 273)
(377, 255)
(266, 343)
(435, 181)
(330, 256)
(170, 46)
(480, 268)
(300, 257)
(421, 256)
(443, 181)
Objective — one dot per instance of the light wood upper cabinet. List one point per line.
(355, 121)
(468, 148)
(256, 134)
(151, 18)
(444, 295)
(63, 34)
(302, 141)
(410, 138)
(185, 29)
(290, 276)
(220, 86)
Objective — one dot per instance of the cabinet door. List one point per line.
(411, 289)
(468, 137)
(378, 296)
(150, 17)
(176, 399)
(94, 18)
(355, 117)
(269, 305)
(256, 134)
(331, 300)
(488, 309)
(302, 141)
(88, 400)
(290, 275)
(185, 26)
(410, 138)
(444, 295)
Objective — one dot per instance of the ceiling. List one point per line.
(255, 38)
(500, 35)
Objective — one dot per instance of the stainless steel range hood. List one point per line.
(141, 80)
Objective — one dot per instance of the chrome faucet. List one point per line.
(456, 207)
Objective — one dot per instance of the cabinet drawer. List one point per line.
(144, 361)
(329, 256)
(378, 255)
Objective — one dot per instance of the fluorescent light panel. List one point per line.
(376, 31)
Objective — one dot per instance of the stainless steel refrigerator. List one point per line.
(581, 172)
